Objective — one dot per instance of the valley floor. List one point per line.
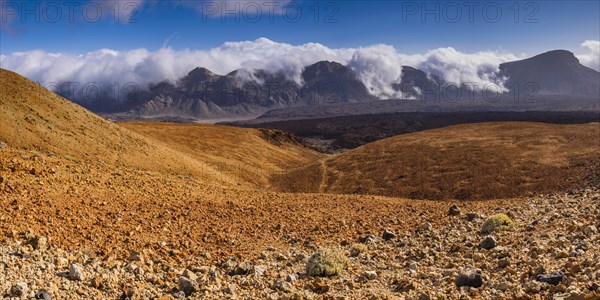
(137, 234)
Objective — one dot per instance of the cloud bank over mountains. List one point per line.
(591, 57)
(377, 66)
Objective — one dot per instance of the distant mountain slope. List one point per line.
(330, 82)
(464, 162)
(202, 94)
(555, 72)
(530, 84)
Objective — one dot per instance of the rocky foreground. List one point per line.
(551, 251)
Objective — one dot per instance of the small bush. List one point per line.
(326, 263)
(358, 249)
(496, 222)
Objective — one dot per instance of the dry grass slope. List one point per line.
(36, 119)
(249, 155)
(464, 162)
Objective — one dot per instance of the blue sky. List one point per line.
(147, 41)
(520, 27)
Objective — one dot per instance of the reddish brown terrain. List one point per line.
(95, 210)
(463, 162)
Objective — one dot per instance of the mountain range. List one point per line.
(204, 95)
(556, 72)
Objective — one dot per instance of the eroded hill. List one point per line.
(246, 155)
(35, 119)
(464, 162)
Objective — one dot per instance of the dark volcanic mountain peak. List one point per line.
(200, 74)
(413, 74)
(556, 72)
(331, 82)
(560, 55)
(249, 92)
(324, 69)
(555, 57)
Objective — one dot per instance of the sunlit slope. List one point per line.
(465, 162)
(246, 155)
(35, 119)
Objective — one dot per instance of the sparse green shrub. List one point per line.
(326, 262)
(496, 222)
(358, 249)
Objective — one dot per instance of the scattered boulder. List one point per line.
(472, 217)
(502, 286)
(424, 296)
(533, 287)
(97, 282)
(503, 263)
(75, 273)
(571, 296)
(178, 295)
(469, 277)
(425, 227)
(454, 210)
(291, 277)
(42, 295)
(283, 286)
(369, 275)
(552, 278)
(19, 290)
(243, 268)
(189, 275)
(562, 254)
(259, 271)
(589, 230)
(188, 286)
(229, 264)
(488, 243)
(388, 235)
(281, 257)
(319, 286)
(39, 243)
(231, 289)
(135, 256)
(326, 262)
(369, 239)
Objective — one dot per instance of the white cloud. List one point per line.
(480, 68)
(144, 67)
(591, 57)
(378, 66)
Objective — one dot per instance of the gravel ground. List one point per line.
(551, 252)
